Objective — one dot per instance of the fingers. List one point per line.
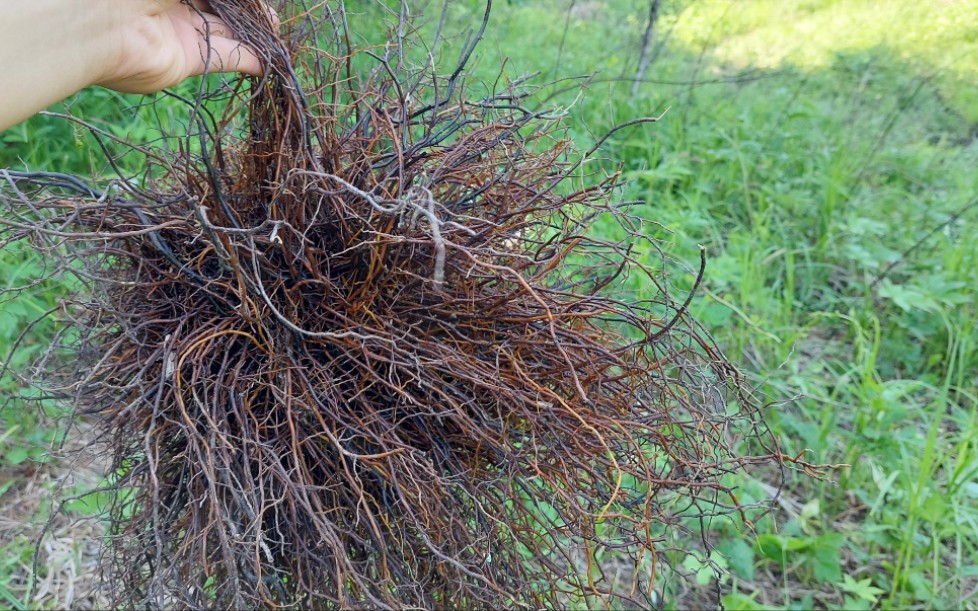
(274, 18)
(204, 7)
(217, 48)
(220, 54)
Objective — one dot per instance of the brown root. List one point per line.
(361, 349)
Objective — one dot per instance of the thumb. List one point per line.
(224, 54)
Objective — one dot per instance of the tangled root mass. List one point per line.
(358, 347)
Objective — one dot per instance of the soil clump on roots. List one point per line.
(355, 346)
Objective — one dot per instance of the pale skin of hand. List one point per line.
(50, 49)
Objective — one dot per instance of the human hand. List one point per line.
(159, 43)
(49, 49)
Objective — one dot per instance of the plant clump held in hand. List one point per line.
(357, 347)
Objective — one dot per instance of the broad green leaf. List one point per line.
(778, 547)
(827, 557)
(740, 557)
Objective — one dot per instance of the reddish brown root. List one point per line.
(361, 350)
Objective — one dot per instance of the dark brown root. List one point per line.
(360, 349)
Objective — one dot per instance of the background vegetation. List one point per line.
(824, 152)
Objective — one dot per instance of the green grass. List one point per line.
(811, 183)
(821, 150)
